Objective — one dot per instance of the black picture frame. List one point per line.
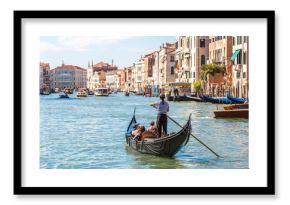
(19, 189)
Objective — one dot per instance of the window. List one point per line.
(202, 43)
(180, 42)
(245, 57)
(193, 74)
(234, 41)
(244, 74)
(188, 43)
(239, 60)
(238, 74)
(171, 58)
(209, 40)
(245, 39)
(239, 40)
(202, 60)
(172, 70)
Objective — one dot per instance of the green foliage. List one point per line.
(211, 69)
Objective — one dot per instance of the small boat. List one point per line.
(102, 92)
(166, 146)
(65, 95)
(237, 100)
(236, 106)
(82, 93)
(183, 98)
(126, 93)
(90, 92)
(139, 93)
(56, 90)
(219, 100)
(45, 92)
(68, 91)
(239, 113)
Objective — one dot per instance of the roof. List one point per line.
(69, 67)
(41, 64)
(101, 64)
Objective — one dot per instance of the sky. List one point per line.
(79, 50)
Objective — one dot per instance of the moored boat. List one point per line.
(237, 100)
(102, 92)
(239, 113)
(166, 146)
(218, 100)
(183, 98)
(127, 93)
(236, 106)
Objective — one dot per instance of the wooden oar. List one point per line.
(196, 138)
(191, 134)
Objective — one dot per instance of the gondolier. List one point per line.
(163, 108)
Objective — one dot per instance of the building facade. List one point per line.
(166, 65)
(220, 52)
(199, 56)
(138, 73)
(183, 58)
(68, 76)
(44, 78)
(240, 66)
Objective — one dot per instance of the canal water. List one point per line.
(89, 133)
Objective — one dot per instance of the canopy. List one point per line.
(235, 54)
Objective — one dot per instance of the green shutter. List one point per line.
(235, 54)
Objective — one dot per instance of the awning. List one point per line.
(235, 55)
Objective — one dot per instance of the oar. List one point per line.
(196, 138)
(192, 136)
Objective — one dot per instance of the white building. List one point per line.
(240, 67)
(112, 80)
(138, 75)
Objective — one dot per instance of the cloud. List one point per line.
(78, 43)
(81, 43)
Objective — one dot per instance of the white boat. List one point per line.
(45, 92)
(82, 93)
(56, 90)
(102, 92)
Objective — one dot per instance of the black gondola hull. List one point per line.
(165, 146)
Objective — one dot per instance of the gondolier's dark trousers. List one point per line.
(162, 124)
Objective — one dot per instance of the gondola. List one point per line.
(237, 100)
(220, 100)
(183, 98)
(165, 146)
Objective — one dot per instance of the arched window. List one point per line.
(202, 60)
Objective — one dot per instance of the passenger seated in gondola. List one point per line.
(138, 132)
(152, 128)
(152, 132)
